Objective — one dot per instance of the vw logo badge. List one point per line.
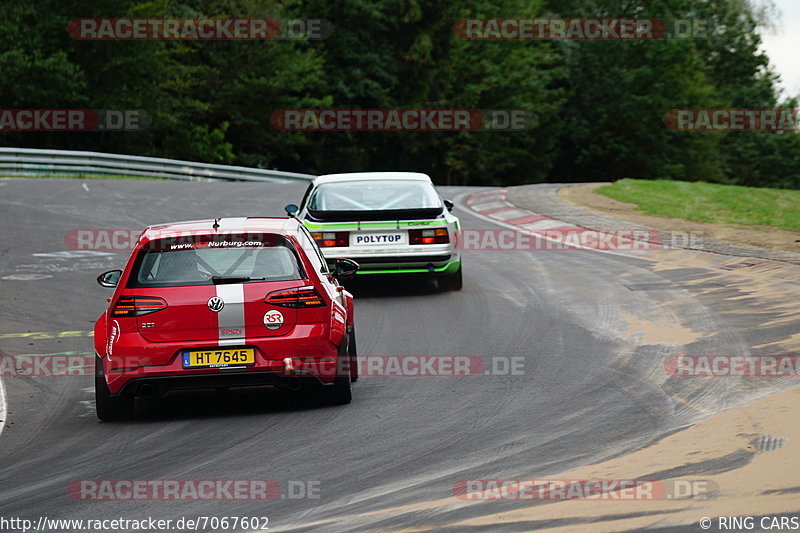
(216, 304)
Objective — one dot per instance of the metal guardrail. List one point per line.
(35, 162)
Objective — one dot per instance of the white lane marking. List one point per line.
(485, 206)
(546, 224)
(3, 411)
(230, 320)
(509, 213)
(85, 187)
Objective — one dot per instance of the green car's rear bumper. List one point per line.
(450, 268)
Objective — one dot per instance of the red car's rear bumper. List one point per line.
(137, 365)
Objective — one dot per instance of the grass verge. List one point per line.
(709, 202)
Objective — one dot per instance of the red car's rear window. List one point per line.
(204, 259)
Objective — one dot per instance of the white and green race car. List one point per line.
(388, 222)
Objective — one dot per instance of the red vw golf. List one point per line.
(224, 303)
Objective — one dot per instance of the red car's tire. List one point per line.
(340, 393)
(109, 408)
(353, 353)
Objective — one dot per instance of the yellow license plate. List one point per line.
(219, 357)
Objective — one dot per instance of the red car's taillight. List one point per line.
(331, 239)
(301, 298)
(428, 236)
(138, 305)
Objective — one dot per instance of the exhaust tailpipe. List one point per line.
(293, 384)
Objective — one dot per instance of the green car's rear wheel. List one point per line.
(451, 282)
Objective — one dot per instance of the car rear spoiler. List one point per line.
(384, 214)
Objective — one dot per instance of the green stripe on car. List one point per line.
(450, 268)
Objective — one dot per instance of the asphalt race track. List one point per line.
(588, 392)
